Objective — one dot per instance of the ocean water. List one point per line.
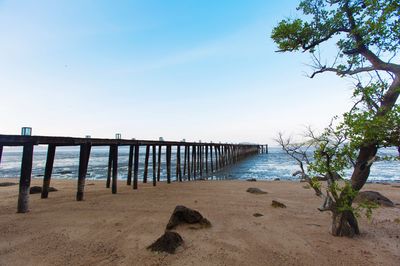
(275, 164)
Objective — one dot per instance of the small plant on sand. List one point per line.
(366, 34)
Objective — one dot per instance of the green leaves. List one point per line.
(291, 35)
(372, 25)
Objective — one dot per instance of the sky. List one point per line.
(180, 69)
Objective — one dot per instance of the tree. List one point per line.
(366, 34)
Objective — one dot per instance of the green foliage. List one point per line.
(315, 184)
(377, 21)
(367, 207)
(347, 195)
(365, 126)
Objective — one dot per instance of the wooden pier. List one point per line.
(200, 160)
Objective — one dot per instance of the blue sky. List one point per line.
(178, 69)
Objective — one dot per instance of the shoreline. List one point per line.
(116, 229)
(121, 180)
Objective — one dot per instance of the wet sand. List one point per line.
(107, 229)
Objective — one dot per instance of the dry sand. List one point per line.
(108, 229)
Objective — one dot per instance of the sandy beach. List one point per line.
(107, 229)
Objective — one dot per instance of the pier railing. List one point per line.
(199, 160)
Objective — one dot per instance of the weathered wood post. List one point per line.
(1, 152)
(115, 169)
(219, 157)
(83, 165)
(184, 160)
(226, 155)
(146, 164)
(201, 159)
(168, 157)
(51, 151)
(130, 164)
(108, 182)
(154, 165)
(159, 163)
(178, 163)
(136, 167)
(216, 158)
(211, 158)
(194, 162)
(188, 161)
(207, 159)
(230, 154)
(25, 178)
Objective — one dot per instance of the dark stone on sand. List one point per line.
(168, 242)
(182, 215)
(37, 190)
(277, 204)
(277, 179)
(255, 190)
(7, 184)
(375, 197)
(251, 180)
(258, 214)
(383, 183)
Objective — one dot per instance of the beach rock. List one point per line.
(251, 180)
(277, 204)
(37, 189)
(277, 179)
(7, 184)
(255, 190)
(168, 242)
(258, 214)
(383, 183)
(182, 215)
(375, 197)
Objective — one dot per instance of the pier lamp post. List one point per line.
(26, 131)
(118, 135)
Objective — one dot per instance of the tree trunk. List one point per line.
(363, 165)
(344, 224)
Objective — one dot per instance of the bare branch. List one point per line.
(342, 72)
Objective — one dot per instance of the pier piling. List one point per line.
(154, 164)
(168, 157)
(136, 167)
(130, 164)
(51, 151)
(108, 182)
(25, 178)
(159, 163)
(115, 169)
(83, 164)
(146, 164)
